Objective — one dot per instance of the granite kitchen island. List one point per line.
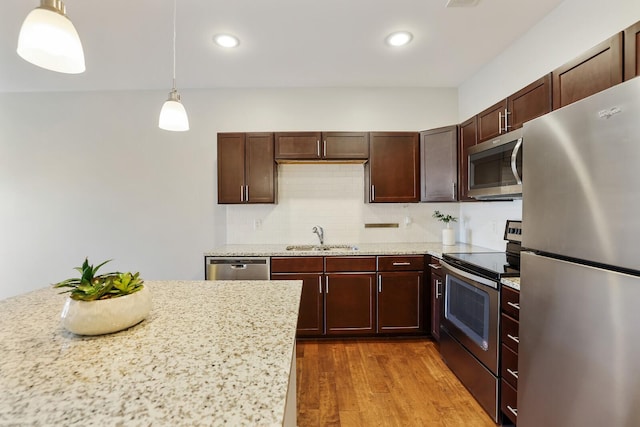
(209, 353)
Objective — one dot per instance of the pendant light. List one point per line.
(49, 40)
(173, 116)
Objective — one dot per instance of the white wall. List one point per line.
(90, 174)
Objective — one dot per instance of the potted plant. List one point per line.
(103, 303)
(448, 233)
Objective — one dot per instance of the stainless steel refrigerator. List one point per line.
(579, 354)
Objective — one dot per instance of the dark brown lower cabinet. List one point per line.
(509, 337)
(632, 51)
(436, 296)
(311, 313)
(350, 303)
(400, 302)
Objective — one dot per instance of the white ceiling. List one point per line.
(284, 43)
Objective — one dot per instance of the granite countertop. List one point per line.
(435, 249)
(209, 353)
(512, 282)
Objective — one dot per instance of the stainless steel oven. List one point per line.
(469, 333)
(470, 319)
(471, 314)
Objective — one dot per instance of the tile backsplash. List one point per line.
(332, 196)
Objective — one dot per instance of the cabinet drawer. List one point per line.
(350, 264)
(296, 264)
(510, 302)
(510, 336)
(509, 401)
(401, 263)
(510, 366)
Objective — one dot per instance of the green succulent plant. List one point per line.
(91, 286)
(444, 218)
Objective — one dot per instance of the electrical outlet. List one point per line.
(257, 224)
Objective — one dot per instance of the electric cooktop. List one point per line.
(488, 264)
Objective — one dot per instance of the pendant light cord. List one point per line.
(174, 43)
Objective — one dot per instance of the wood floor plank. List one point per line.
(381, 382)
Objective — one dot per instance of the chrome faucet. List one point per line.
(320, 232)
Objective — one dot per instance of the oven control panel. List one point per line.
(513, 231)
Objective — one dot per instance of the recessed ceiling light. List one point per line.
(226, 40)
(399, 38)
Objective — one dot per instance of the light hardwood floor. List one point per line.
(381, 383)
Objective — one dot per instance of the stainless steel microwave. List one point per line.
(495, 168)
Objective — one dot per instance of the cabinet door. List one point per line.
(231, 156)
(345, 145)
(298, 145)
(468, 137)
(439, 164)
(310, 315)
(400, 302)
(597, 69)
(393, 167)
(436, 297)
(632, 51)
(530, 102)
(491, 121)
(260, 168)
(350, 304)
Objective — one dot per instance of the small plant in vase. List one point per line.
(448, 233)
(103, 303)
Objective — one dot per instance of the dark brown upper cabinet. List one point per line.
(530, 102)
(321, 146)
(632, 51)
(439, 164)
(595, 70)
(467, 138)
(491, 122)
(534, 100)
(392, 174)
(246, 168)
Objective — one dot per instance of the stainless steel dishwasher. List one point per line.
(237, 268)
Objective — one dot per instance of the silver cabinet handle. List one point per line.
(514, 373)
(514, 305)
(319, 284)
(318, 146)
(453, 190)
(435, 266)
(506, 120)
(379, 284)
(499, 123)
(246, 190)
(401, 263)
(373, 192)
(242, 193)
(324, 148)
(438, 289)
(516, 339)
(514, 411)
(326, 285)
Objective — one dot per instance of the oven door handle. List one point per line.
(469, 276)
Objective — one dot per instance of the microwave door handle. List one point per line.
(514, 156)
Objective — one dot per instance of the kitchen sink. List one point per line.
(321, 248)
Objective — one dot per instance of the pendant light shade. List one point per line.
(173, 116)
(49, 40)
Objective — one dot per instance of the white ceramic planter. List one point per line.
(106, 316)
(448, 236)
